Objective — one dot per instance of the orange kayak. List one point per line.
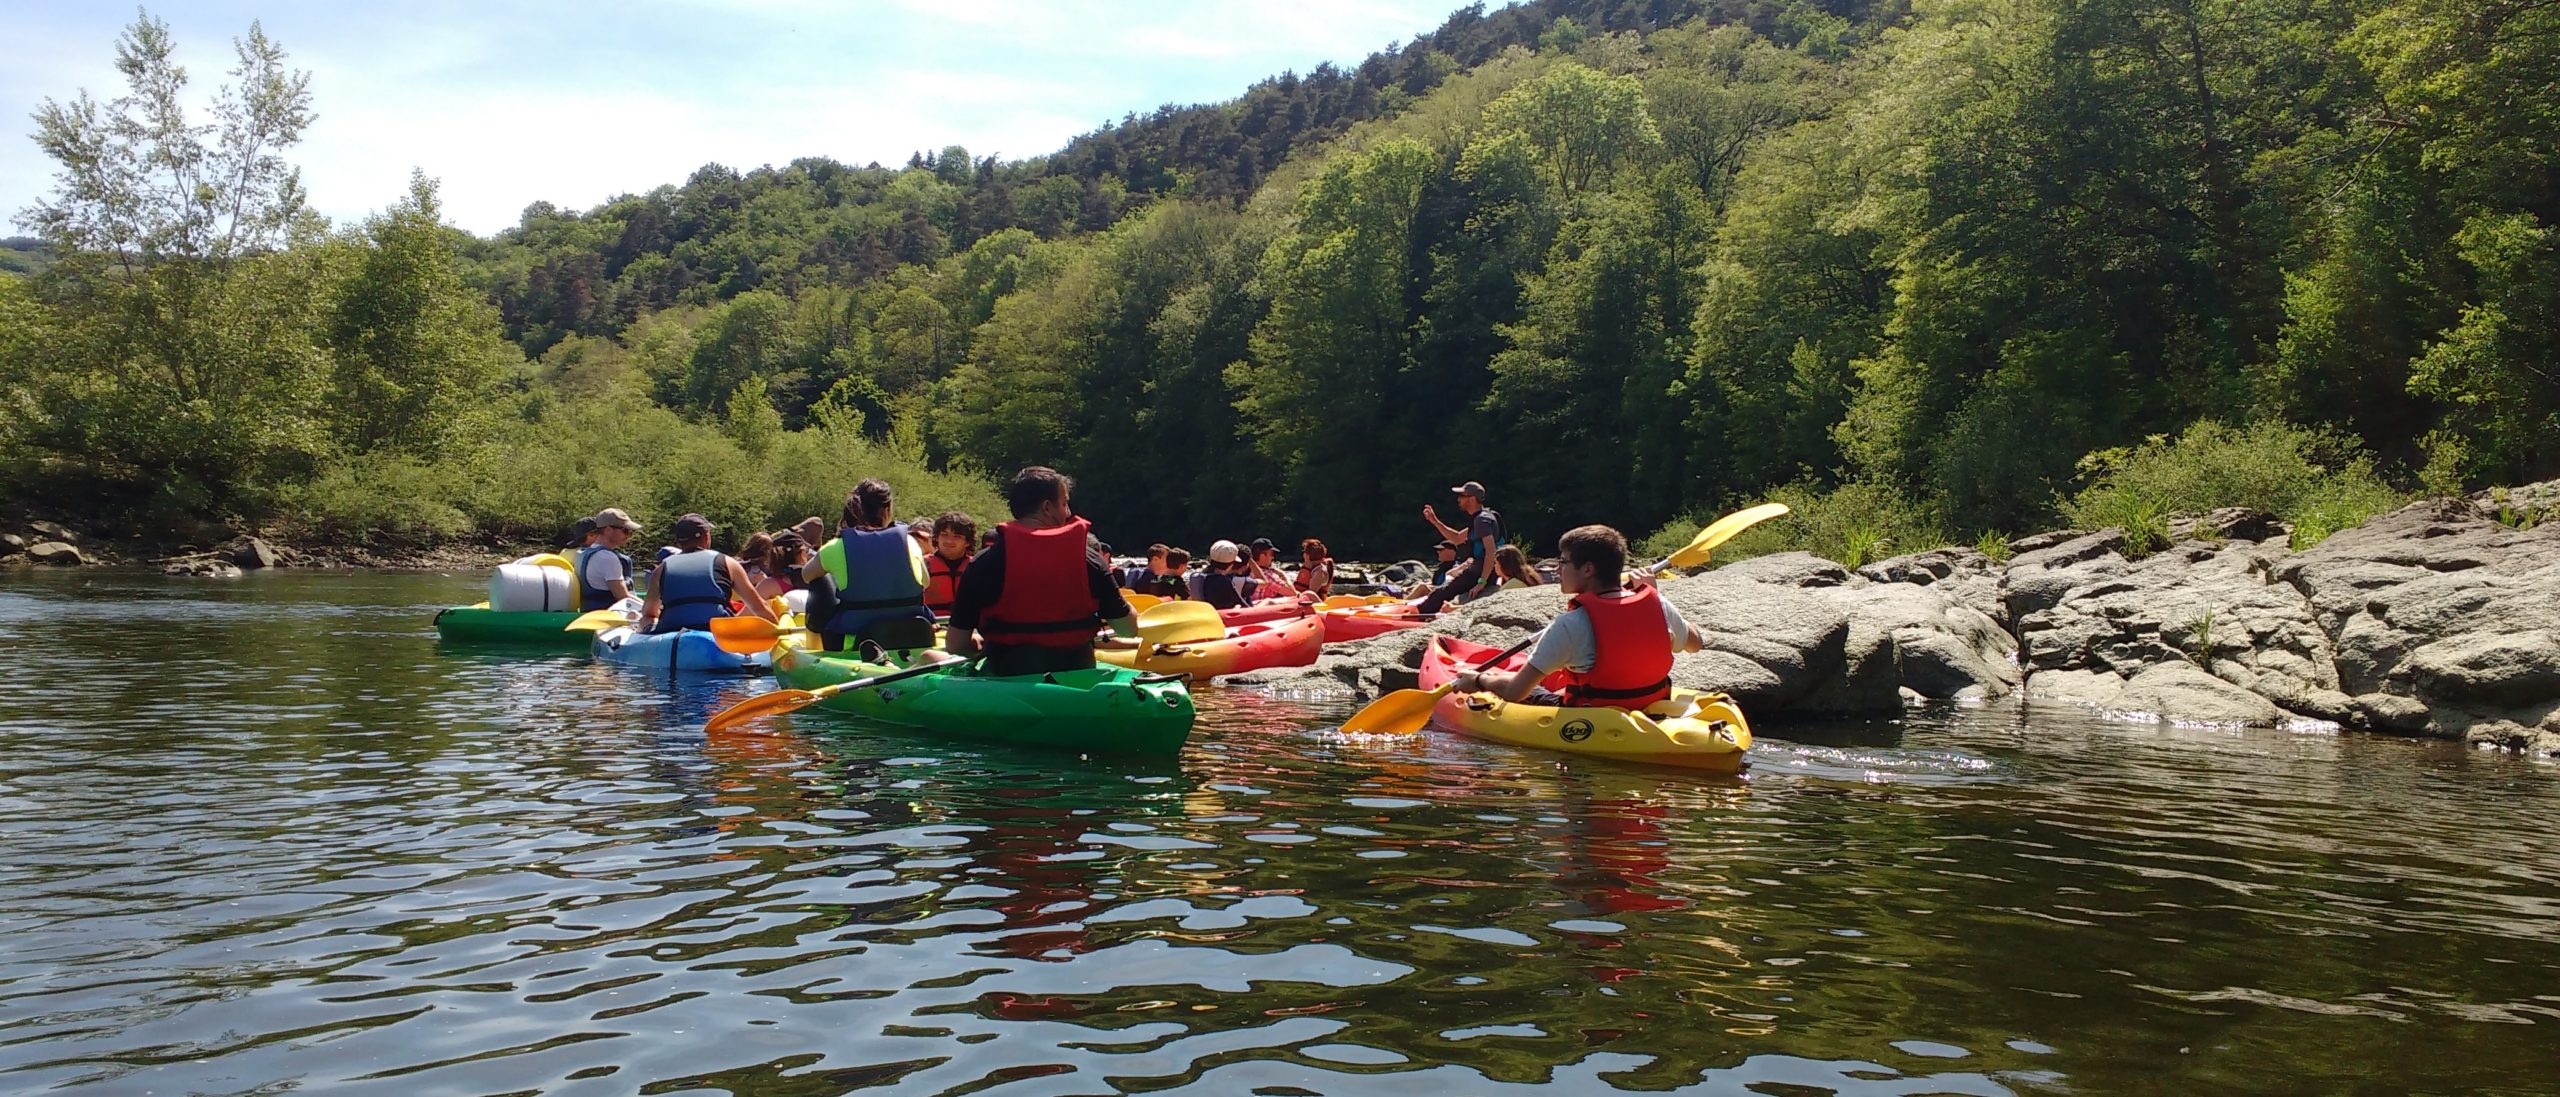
(1361, 624)
(1291, 643)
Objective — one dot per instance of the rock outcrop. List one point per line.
(2435, 620)
(56, 554)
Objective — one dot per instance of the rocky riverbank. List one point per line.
(2437, 620)
(216, 552)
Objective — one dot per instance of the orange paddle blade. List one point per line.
(763, 704)
(1403, 712)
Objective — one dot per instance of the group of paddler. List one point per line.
(1035, 599)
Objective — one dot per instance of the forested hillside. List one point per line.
(1930, 271)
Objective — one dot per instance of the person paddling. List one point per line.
(869, 583)
(954, 534)
(1033, 599)
(695, 586)
(604, 573)
(1615, 643)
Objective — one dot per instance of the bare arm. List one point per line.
(753, 600)
(1510, 685)
(1431, 514)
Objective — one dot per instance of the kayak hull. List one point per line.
(1291, 643)
(1343, 625)
(1693, 729)
(1264, 612)
(1106, 710)
(481, 625)
(688, 651)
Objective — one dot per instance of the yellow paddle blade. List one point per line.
(1403, 712)
(763, 704)
(1141, 602)
(1180, 623)
(745, 635)
(1700, 547)
(597, 621)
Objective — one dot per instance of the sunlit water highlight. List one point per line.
(269, 835)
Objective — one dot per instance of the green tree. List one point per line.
(414, 349)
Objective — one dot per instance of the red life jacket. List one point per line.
(942, 581)
(1047, 600)
(1630, 651)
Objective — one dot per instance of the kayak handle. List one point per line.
(1157, 679)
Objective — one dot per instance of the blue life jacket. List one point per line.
(591, 597)
(693, 590)
(878, 581)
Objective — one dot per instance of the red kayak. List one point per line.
(1267, 610)
(1368, 621)
(1448, 655)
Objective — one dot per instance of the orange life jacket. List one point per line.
(1630, 651)
(942, 581)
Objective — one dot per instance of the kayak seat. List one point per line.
(897, 634)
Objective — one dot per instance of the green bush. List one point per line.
(1853, 525)
(520, 481)
(2319, 482)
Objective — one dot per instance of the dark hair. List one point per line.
(1157, 549)
(787, 547)
(1033, 488)
(1314, 548)
(1599, 546)
(757, 552)
(1177, 558)
(868, 506)
(952, 521)
(1515, 564)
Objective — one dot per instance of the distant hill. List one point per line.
(24, 255)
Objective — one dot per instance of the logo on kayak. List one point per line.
(1577, 731)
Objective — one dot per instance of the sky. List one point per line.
(509, 103)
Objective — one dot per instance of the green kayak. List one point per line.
(481, 625)
(1106, 710)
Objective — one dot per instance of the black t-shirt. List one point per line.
(983, 583)
(1487, 524)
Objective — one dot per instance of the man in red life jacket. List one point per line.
(1615, 643)
(1034, 598)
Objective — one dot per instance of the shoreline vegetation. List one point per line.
(1933, 274)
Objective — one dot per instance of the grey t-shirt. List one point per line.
(1568, 644)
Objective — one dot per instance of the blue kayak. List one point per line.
(688, 650)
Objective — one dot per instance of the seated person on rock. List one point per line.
(602, 571)
(1263, 567)
(695, 586)
(1032, 600)
(954, 535)
(868, 585)
(1616, 643)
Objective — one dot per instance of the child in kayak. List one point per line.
(954, 534)
(1615, 643)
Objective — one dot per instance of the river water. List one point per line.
(269, 835)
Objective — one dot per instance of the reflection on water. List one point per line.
(268, 835)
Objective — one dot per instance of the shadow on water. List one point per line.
(289, 841)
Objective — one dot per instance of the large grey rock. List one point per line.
(11, 544)
(2036, 580)
(1786, 635)
(55, 553)
(254, 553)
(54, 531)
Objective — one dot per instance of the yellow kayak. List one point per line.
(1692, 730)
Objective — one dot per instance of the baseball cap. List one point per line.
(1263, 545)
(615, 518)
(1471, 487)
(689, 527)
(1224, 552)
(1449, 545)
